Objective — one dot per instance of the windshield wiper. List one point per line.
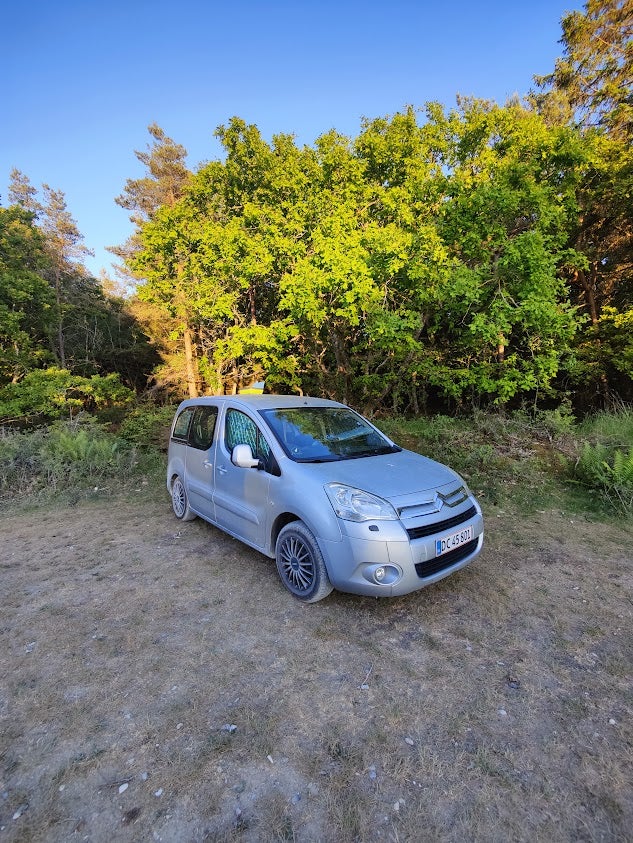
(376, 452)
(333, 458)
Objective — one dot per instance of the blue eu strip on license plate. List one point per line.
(453, 541)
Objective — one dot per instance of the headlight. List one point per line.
(355, 505)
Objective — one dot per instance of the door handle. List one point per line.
(207, 464)
(222, 469)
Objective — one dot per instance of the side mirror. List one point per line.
(242, 457)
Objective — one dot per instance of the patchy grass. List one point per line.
(533, 461)
(71, 460)
(495, 705)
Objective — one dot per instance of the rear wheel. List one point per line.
(179, 501)
(300, 563)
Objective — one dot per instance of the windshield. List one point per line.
(320, 434)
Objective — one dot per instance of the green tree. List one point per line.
(22, 192)
(593, 81)
(66, 251)
(412, 259)
(50, 307)
(592, 85)
(211, 261)
(165, 179)
(26, 303)
(511, 197)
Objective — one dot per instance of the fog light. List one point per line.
(382, 574)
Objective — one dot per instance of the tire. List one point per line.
(300, 563)
(179, 501)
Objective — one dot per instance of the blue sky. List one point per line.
(85, 79)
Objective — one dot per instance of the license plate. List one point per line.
(453, 541)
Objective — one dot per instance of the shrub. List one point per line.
(49, 394)
(66, 455)
(609, 471)
(147, 425)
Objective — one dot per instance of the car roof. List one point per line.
(261, 402)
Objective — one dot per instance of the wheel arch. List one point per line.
(285, 518)
(175, 468)
(279, 523)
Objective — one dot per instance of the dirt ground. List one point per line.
(158, 683)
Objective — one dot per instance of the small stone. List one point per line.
(123, 787)
(144, 776)
(179, 726)
(372, 772)
(296, 799)
(409, 741)
(502, 712)
(364, 687)
(612, 722)
(158, 793)
(229, 727)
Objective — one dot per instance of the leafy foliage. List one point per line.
(68, 457)
(49, 394)
(415, 259)
(147, 425)
(447, 259)
(610, 471)
(26, 300)
(604, 461)
(593, 81)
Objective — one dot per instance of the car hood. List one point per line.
(391, 476)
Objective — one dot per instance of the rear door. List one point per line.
(241, 494)
(199, 475)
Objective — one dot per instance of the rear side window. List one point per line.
(181, 428)
(203, 427)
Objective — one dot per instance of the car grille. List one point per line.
(441, 526)
(434, 566)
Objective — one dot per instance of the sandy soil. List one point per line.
(158, 683)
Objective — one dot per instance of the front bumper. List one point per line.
(352, 562)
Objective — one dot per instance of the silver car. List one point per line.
(314, 485)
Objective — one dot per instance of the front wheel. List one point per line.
(179, 501)
(300, 563)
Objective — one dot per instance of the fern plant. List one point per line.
(609, 471)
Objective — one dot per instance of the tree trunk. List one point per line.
(61, 350)
(191, 365)
(414, 394)
(251, 304)
(588, 291)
